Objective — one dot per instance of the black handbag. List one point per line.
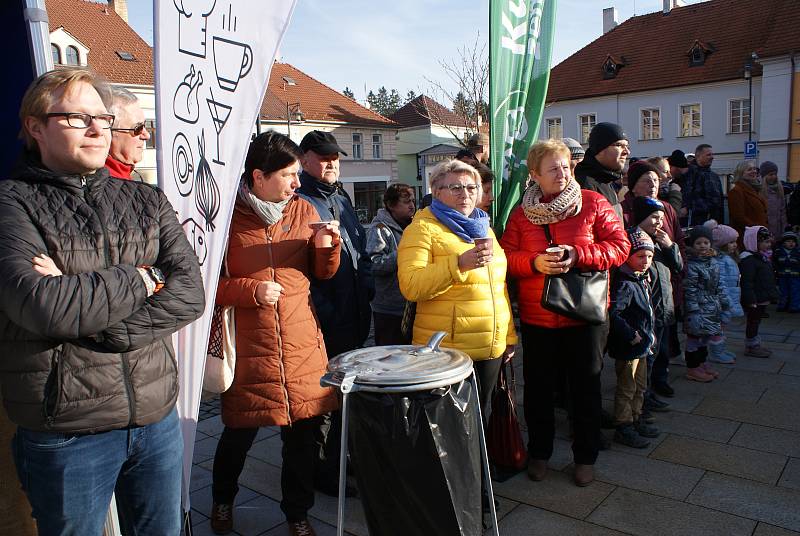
(578, 295)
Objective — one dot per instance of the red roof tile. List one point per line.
(98, 26)
(655, 47)
(318, 102)
(425, 111)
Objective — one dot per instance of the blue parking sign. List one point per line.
(750, 149)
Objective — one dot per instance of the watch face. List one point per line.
(157, 274)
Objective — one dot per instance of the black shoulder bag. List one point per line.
(578, 295)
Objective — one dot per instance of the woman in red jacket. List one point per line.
(280, 353)
(583, 223)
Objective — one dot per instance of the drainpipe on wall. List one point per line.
(791, 119)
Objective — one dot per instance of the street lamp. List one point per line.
(748, 75)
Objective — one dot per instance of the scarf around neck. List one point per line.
(565, 205)
(268, 211)
(467, 228)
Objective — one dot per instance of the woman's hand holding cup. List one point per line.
(555, 260)
(326, 233)
(481, 255)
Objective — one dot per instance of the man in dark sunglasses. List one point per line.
(128, 135)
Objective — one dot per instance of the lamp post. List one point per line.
(292, 112)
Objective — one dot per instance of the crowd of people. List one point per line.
(97, 275)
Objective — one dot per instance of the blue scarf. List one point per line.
(476, 225)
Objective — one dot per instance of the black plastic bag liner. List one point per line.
(417, 461)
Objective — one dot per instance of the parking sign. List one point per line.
(750, 149)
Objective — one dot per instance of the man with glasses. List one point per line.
(96, 275)
(603, 162)
(342, 303)
(128, 135)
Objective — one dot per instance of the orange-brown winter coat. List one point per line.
(280, 353)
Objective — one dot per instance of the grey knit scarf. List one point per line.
(268, 211)
(566, 204)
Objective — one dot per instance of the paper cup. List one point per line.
(317, 225)
(556, 252)
(487, 240)
(326, 239)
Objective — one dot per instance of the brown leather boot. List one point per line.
(584, 475)
(537, 469)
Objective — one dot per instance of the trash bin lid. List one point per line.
(403, 365)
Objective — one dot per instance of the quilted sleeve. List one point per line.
(621, 298)
(181, 301)
(65, 307)
(520, 258)
(610, 247)
(421, 276)
(382, 250)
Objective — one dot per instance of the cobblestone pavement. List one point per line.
(727, 463)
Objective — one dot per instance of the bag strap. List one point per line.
(547, 234)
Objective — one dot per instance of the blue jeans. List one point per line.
(69, 478)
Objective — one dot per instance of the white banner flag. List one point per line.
(212, 64)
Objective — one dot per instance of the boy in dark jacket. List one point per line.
(632, 339)
(758, 285)
(786, 259)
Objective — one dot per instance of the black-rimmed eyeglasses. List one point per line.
(80, 120)
(135, 130)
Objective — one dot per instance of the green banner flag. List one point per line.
(520, 47)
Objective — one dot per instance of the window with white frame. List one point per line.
(739, 116)
(357, 146)
(554, 128)
(650, 124)
(586, 123)
(377, 146)
(56, 52)
(691, 120)
(73, 58)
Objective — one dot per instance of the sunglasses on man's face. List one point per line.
(135, 130)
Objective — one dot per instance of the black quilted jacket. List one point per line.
(88, 351)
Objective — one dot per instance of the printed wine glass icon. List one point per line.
(220, 112)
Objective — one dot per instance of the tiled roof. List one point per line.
(98, 26)
(654, 47)
(318, 102)
(425, 111)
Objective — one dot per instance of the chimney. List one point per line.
(121, 7)
(610, 19)
(669, 5)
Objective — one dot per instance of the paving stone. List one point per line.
(767, 439)
(326, 509)
(557, 493)
(257, 516)
(204, 449)
(719, 388)
(268, 450)
(645, 474)
(687, 397)
(634, 512)
(320, 527)
(640, 452)
(200, 478)
(792, 369)
(761, 380)
(726, 459)
(768, 530)
(774, 505)
(791, 475)
(201, 500)
(526, 519)
(764, 415)
(688, 424)
(212, 426)
(770, 364)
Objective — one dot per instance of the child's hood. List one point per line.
(750, 239)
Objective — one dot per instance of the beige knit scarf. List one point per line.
(566, 204)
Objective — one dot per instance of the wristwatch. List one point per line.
(157, 276)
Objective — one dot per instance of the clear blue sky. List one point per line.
(353, 43)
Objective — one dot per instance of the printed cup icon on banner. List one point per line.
(192, 22)
(182, 164)
(232, 61)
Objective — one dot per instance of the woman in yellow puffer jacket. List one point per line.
(459, 287)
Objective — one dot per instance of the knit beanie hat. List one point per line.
(639, 168)
(639, 240)
(788, 235)
(678, 159)
(721, 234)
(644, 206)
(603, 135)
(699, 231)
(576, 149)
(767, 168)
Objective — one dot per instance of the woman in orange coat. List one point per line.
(280, 353)
(746, 206)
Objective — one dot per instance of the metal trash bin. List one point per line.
(413, 420)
